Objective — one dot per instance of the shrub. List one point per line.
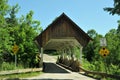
(114, 69)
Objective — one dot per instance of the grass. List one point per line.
(19, 76)
(9, 66)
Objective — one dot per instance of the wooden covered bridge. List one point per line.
(62, 33)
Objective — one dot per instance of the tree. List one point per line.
(115, 9)
(5, 38)
(92, 33)
(113, 59)
(118, 29)
(4, 7)
(113, 36)
(113, 44)
(21, 31)
(25, 33)
(92, 49)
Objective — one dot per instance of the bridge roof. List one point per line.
(62, 32)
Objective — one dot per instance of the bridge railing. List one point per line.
(102, 74)
(93, 72)
(20, 71)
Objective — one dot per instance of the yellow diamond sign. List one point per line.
(104, 52)
(15, 49)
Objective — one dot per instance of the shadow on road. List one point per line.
(11, 79)
(53, 68)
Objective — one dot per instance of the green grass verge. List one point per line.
(19, 76)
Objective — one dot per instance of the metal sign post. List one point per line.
(15, 50)
(104, 51)
(15, 61)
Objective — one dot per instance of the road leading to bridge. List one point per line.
(53, 71)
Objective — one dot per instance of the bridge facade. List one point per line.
(62, 34)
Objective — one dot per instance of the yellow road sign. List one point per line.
(15, 49)
(104, 52)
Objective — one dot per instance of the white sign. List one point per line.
(103, 42)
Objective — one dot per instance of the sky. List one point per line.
(87, 14)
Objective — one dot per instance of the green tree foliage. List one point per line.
(118, 29)
(5, 39)
(113, 42)
(109, 63)
(4, 7)
(115, 9)
(26, 34)
(92, 33)
(92, 49)
(21, 31)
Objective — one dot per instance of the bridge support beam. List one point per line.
(41, 55)
(81, 48)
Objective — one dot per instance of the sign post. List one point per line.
(104, 51)
(15, 61)
(15, 50)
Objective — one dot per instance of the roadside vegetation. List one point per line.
(111, 63)
(20, 31)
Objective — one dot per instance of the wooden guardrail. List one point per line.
(93, 72)
(20, 71)
(100, 74)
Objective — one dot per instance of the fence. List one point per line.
(94, 73)
(20, 71)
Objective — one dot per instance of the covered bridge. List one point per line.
(62, 33)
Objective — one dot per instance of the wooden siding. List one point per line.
(63, 27)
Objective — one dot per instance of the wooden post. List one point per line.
(81, 55)
(72, 53)
(41, 62)
(69, 53)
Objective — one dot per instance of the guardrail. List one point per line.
(93, 72)
(100, 74)
(20, 71)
